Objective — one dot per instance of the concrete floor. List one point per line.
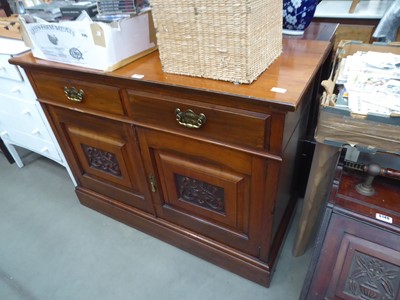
(53, 248)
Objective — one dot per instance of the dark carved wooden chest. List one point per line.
(357, 254)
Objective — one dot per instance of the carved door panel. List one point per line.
(357, 261)
(208, 189)
(102, 153)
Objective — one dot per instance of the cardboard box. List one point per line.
(97, 45)
(338, 125)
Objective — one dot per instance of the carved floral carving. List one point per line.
(102, 160)
(371, 278)
(200, 193)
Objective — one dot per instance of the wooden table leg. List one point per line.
(322, 170)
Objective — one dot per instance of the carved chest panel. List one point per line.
(357, 254)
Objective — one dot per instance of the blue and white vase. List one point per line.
(297, 15)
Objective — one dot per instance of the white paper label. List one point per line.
(278, 90)
(137, 76)
(384, 218)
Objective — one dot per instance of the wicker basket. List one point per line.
(226, 40)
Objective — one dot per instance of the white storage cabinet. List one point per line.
(22, 120)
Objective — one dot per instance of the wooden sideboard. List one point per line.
(205, 165)
(357, 250)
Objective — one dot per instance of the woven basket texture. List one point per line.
(225, 40)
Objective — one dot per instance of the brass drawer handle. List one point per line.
(189, 119)
(73, 94)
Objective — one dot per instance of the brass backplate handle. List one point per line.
(73, 94)
(189, 119)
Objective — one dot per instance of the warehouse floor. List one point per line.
(54, 248)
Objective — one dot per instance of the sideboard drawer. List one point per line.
(87, 95)
(207, 121)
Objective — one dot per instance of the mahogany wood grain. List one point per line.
(95, 96)
(238, 224)
(357, 256)
(224, 191)
(238, 126)
(210, 250)
(385, 200)
(319, 31)
(103, 155)
(292, 71)
(346, 238)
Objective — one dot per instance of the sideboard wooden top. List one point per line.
(292, 73)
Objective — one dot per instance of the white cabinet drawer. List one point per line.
(37, 145)
(15, 106)
(29, 123)
(22, 116)
(9, 71)
(17, 89)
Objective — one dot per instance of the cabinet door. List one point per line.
(357, 261)
(104, 156)
(214, 191)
